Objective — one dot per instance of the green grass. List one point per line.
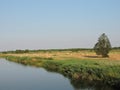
(90, 67)
(107, 72)
(104, 71)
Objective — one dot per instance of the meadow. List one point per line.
(78, 65)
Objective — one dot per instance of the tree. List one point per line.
(103, 46)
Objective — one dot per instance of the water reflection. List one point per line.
(86, 85)
(17, 77)
(14, 76)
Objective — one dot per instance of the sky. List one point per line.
(51, 24)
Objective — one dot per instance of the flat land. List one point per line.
(76, 65)
(64, 55)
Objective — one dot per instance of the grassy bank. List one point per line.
(91, 70)
(88, 70)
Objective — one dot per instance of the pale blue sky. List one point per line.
(45, 24)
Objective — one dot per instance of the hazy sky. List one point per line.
(44, 24)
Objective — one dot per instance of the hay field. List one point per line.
(64, 55)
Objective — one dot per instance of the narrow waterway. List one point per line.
(15, 76)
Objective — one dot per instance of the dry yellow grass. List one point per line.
(61, 55)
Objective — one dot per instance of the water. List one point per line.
(15, 76)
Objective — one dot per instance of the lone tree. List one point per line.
(103, 46)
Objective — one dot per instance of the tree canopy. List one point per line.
(103, 46)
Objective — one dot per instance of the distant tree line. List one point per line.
(47, 50)
(116, 48)
(17, 51)
(52, 50)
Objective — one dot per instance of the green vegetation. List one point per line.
(54, 50)
(34, 61)
(48, 50)
(87, 70)
(93, 71)
(103, 46)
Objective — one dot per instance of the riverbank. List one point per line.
(89, 68)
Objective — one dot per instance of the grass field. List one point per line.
(62, 55)
(78, 66)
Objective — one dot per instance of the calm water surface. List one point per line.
(15, 76)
